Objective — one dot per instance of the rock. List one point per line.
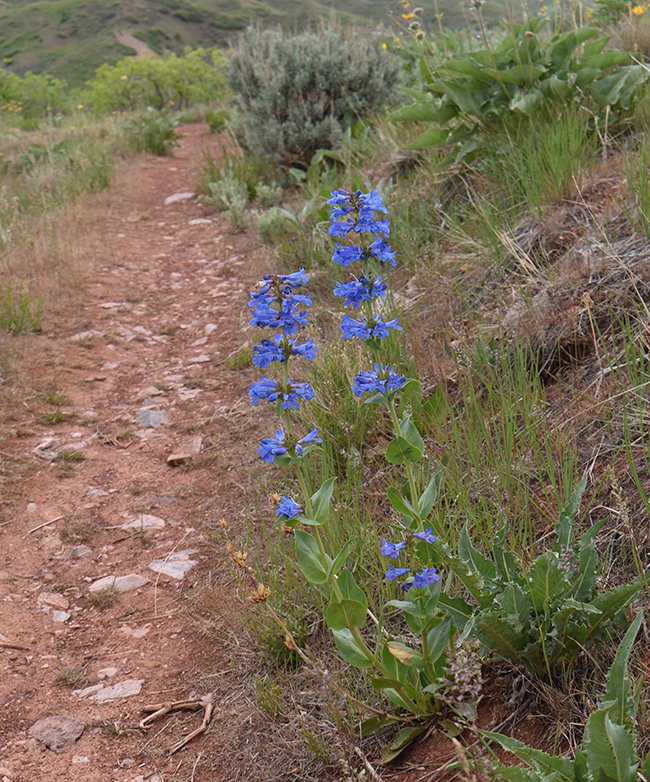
(210, 327)
(202, 359)
(81, 552)
(54, 600)
(178, 197)
(200, 221)
(31, 507)
(57, 732)
(95, 491)
(152, 418)
(48, 449)
(138, 632)
(86, 691)
(176, 565)
(86, 336)
(106, 673)
(179, 458)
(188, 393)
(124, 689)
(118, 583)
(144, 523)
(148, 392)
(77, 759)
(60, 616)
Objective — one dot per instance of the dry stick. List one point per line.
(201, 729)
(12, 645)
(195, 766)
(155, 586)
(44, 524)
(368, 765)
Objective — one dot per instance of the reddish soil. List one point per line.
(147, 301)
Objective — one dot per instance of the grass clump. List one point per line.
(19, 311)
(152, 133)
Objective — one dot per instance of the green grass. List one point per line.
(19, 311)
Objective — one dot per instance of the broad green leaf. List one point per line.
(518, 75)
(400, 451)
(611, 604)
(409, 432)
(309, 557)
(402, 740)
(320, 502)
(564, 526)
(558, 767)
(430, 495)
(609, 749)
(433, 137)
(341, 557)
(393, 668)
(306, 521)
(499, 636)
(473, 559)
(344, 613)
(546, 581)
(405, 654)
(515, 603)
(506, 562)
(437, 639)
(595, 47)
(526, 102)
(400, 503)
(374, 724)
(605, 60)
(408, 607)
(350, 650)
(618, 692)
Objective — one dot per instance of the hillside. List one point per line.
(70, 38)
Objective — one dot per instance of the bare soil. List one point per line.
(160, 307)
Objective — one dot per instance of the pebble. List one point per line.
(210, 327)
(86, 336)
(185, 195)
(188, 393)
(78, 759)
(31, 507)
(81, 552)
(60, 616)
(48, 449)
(138, 632)
(57, 732)
(143, 523)
(118, 583)
(202, 359)
(176, 565)
(106, 673)
(200, 221)
(54, 600)
(152, 418)
(124, 689)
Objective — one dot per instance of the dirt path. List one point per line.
(138, 376)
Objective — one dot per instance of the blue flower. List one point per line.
(427, 577)
(354, 328)
(272, 447)
(295, 392)
(340, 198)
(381, 329)
(341, 229)
(372, 201)
(264, 388)
(294, 280)
(392, 550)
(287, 507)
(286, 316)
(284, 282)
(279, 349)
(347, 254)
(358, 291)
(312, 437)
(366, 224)
(394, 572)
(426, 536)
(383, 252)
(381, 380)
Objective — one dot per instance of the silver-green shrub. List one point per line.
(295, 94)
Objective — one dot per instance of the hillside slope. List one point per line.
(70, 38)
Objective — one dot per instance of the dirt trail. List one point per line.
(141, 376)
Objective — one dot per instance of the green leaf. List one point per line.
(394, 668)
(409, 432)
(400, 503)
(374, 724)
(499, 636)
(304, 520)
(526, 102)
(473, 559)
(351, 610)
(609, 749)
(341, 557)
(400, 451)
(430, 495)
(519, 75)
(408, 607)
(405, 654)
(516, 604)
(437, 639)
(540, 761)
(564, 526)
(433, 137)
(618, 691)
(611, 604)
(435, 407)
(321, 501)
(402, 740)
(546, 581)
(308, 554)
(350, 650)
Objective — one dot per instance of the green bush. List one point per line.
(155, 134)
(230, 195)
(18, 311)
(297, 94)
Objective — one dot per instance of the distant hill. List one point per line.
(70, 38)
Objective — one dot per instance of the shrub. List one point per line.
(18, 311)
(230, 195)
(152, 133)
(296, 94)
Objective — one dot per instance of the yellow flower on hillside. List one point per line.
(408, 16)
(124, 78)
(590, 13)
(638, 10)
(396, 40)
(384, 46)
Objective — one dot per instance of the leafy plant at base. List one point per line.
(297, 94)
(467, 97)
(540, 617)
(230, 196)
(608, 752)
(18, 311)
(152, 133)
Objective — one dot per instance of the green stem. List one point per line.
(408, 466)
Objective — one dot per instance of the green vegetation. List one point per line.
(18, 311)
(153, 133)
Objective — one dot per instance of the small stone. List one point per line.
(81, 552)
(78, 759)
(54, 600)
(31, 507)
(178, 197)
(95, 491)
(86, 691)
(86, 336)
(180, 458)
(118, 583)
(106, 673)
(138, 632)
(143, 523)
(124, 689)
(176, 565)
(148, 393)
(48, 449)
(202, 359)
(188, 393)
(57, 732)
(60, 616)
(210, 327)
(152, 418)
(200, 221)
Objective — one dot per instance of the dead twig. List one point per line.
(159, 710)
(12, 645)
(44, 524)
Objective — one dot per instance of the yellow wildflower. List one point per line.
(408, 16)
(124, 77)
(638, 10)
(384, 46)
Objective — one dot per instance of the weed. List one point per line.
(102, 599)
(269, 696)
(75, 532)
(71, 457)
(240, 359)
(55, 417)
(317, 747)
(19, 312)
(638, 182)
(153, 133)
(73, 676)
(230, 196)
